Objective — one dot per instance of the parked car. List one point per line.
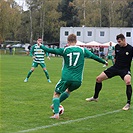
(8, 45)
(25, 46)
(17, 45)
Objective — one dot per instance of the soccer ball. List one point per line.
(61, 110)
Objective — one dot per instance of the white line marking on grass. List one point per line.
(70, 121)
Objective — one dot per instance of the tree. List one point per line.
(69, 13)
(129, 14)
(45, 17)
(10, 19)
(104, 13)
(3, 19)
(23, 32)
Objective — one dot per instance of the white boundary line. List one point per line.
(69, 121)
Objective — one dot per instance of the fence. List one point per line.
(13, 51)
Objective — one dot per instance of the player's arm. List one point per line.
(32, 51)
(107, 52)
(115, 53)
(89, 54)
(47, 55)
(51, 50)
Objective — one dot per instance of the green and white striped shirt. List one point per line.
(110, 50)
(38, 53)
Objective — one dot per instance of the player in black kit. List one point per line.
(123, 58)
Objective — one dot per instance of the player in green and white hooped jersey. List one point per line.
(72, 70)
(38, 59)
(110, 53)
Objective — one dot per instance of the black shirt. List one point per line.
(123, 56)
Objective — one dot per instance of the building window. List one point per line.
(128, 34)
(89, 33)
(101, 33)
(66, 33)
(78, 33)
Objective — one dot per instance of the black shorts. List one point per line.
(113, 71)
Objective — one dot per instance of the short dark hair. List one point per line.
(120, 36)
(72, 38)
(39, 37)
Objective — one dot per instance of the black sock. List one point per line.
(129, 93)
(98, 87)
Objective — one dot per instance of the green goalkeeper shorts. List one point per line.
(61, 86)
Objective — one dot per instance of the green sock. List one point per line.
(46, 73)
(56, 104)
(29, 73)
(112, 61)
(63, 96)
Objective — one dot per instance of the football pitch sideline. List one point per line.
(69, 121)
(25, 107)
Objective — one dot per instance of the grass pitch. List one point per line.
(25, 107)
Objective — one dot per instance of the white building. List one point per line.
(98, 34)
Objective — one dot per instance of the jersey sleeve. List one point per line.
(132, 52)
(116, 46)
(89, 54)
(53, 51)
(113, 48)
(32, 50)
(47, 54)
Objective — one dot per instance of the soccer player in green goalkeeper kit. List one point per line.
(72, 70)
